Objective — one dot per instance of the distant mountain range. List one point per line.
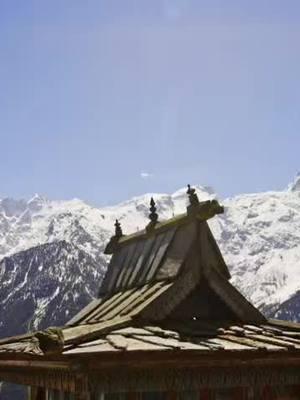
(52, 262)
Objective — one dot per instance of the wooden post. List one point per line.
(267, 393)
(81, 388)
(36, 393)
(206, 394)
(240, 393)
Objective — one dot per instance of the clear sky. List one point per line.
(103, 100)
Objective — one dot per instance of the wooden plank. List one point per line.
(141, 260)
(178, 290)
(177, 252)
(155, 248)
(229, 345)
(161, 288)
(140, 297)
(285, 324)
(126, 263)
(135, 298)
(33, 363)
(116, 267)
(232, 297)
(161, 253)
(131, 330)
(84, 312)
(272, 340)
(288, 339)
(104, 305)
(171, 342)
(135, 344)
(111, 272)
(105, 347)
(17, 338)
(237, 330)
(83, 333)
(214, 252)
(119, 309)
(93, 342)
(251, 342)
(110, 312)
(134, 260)
(253, 328)
(162, 332)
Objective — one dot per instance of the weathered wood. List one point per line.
(161, 288)
(157, 267)
(214, 254)
(51, 340)
(275, 341)
(257, 344)
(206, 394)
(133, 263)
(244, 310)
(82, 387)
(111, 273)
(51, 379)
(100, 348)
(172, 395)
(193, 379)
(178, 291)
(178, 251)
(285, 324)
(144, 252)
(157, 247)
(85, 312)
(240, 393)
(103, 306)
(119, 284)
(83, 333)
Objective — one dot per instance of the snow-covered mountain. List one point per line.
(44, 285)
(52, 261)
(259, 235)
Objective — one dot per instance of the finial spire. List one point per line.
(192, 196)
(118, 229)
(112, 246)
(153, 214)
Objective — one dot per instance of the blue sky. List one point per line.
(103, 100)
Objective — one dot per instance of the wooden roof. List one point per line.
(121, 335)
(166, 288)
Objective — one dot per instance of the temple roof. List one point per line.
(166, 288)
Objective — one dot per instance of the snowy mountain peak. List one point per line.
(295, 185)
(36, 203)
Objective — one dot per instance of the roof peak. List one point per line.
(203, 210)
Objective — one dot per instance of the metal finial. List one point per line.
(118, 229)
(192, 195)
(153, 214)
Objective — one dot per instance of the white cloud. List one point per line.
(146, 175)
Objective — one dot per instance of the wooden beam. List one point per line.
(62, 365)
(243, 309)
(36, 393)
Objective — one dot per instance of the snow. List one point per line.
(295, 185)
(259, 234)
